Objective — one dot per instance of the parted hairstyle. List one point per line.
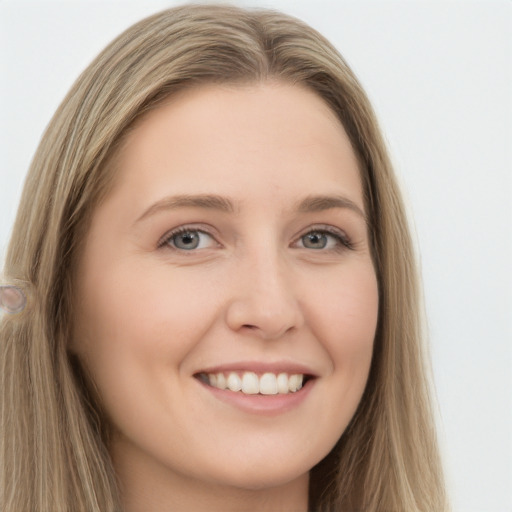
(54, 437)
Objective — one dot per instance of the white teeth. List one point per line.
(268, 384)
(250, 384)
(282, 383)
(295, 382)
(234, 382)
(221, 381)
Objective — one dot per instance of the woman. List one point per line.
(222, 297)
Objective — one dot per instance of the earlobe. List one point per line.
(12, 299)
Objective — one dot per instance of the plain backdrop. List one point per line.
(439, 76)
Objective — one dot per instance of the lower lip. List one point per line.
(262, 404)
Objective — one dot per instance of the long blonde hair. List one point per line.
(53, 439)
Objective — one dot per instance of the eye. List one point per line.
(187, 239)
(323, 239)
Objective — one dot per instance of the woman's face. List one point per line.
(232, 251)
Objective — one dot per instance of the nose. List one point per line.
(264, 301)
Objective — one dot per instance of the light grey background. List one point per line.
(439, 75)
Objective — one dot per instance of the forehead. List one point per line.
(223, 138)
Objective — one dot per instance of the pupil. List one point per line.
(186, 240)
(315, 241)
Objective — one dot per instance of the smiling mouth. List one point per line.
(250, 383)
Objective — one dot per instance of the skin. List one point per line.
(151, 315)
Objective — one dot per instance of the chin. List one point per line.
(252, 475)
(265, 479)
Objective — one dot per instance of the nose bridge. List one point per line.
(264, 300)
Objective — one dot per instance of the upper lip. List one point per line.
(261, 367)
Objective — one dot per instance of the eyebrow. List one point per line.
(208, 202)
(321, 203)
(213, 202)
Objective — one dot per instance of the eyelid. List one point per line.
(338, 233)
(200, 228)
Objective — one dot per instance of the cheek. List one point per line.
(344, 319)
(346, 313)
(136, 308)
(135, 328)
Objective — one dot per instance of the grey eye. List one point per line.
(315, 240)
(187, 240)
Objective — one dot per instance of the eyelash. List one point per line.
(342, 240)
(165, 241)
